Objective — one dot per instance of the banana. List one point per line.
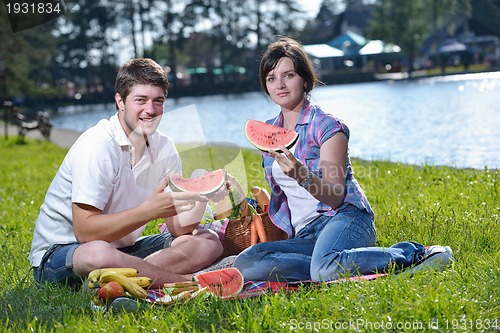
(131, 286)
(143, 281)
(93, 277)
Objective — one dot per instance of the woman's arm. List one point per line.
(333, 159)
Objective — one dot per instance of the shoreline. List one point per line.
(61, 137)
(65, 138)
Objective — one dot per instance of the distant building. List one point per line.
(465, 41)
(354, 18)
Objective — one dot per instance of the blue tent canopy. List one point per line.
(349, 42)
(322, 51)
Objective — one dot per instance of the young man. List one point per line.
(112, 182)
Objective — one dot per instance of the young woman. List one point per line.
(314, 195)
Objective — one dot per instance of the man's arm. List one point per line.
(91, 224)
(186, 222)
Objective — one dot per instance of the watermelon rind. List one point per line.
(267, 137)
(205, 184)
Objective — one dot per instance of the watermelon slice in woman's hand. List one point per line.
(267, 137)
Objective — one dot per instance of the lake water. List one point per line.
(450, 120)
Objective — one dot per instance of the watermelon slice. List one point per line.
(267, 137)
(225, 283)
(206, 184)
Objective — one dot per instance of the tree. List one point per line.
(27, 60)
(409, 23)
(233, 32)
(488, 13)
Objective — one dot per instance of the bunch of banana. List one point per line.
(126, 277)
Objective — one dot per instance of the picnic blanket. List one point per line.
(254, 289)
(229, 283)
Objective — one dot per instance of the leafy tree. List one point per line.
(488, 13)
(87, 48)
(235, 31)
(276, 17)
(409, 23)
(85, 35)
(27, 56)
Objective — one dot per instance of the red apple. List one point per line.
(110, 291)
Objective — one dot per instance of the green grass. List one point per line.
(432, 205)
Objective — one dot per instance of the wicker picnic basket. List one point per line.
(249, 229)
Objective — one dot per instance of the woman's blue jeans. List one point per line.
(328, 248)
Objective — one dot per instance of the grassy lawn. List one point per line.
(431, 205)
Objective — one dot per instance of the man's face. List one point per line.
(141, 111)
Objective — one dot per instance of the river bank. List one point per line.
(62, 137)
(449, 120)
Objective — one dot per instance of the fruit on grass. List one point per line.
(128, 284)
(93, 277)
(267, 137)
(143, 281)
(109, 291)
(205, 184)
(224, 283)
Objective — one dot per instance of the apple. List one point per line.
(110, 291)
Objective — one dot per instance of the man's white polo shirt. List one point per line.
(99, 170)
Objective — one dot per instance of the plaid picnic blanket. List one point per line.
(254, 289)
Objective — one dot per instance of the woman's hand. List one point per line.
(330, 188)
(290, 166)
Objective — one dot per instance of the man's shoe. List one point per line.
(124, 304)
(435, 257)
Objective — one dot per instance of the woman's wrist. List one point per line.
(306, 182)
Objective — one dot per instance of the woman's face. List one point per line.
(284, 85)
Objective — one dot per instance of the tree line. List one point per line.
(216, 42)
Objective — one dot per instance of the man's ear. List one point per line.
(120, 102)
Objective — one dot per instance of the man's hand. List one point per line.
(168, 204)
(220, 194)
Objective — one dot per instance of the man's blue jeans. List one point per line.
(326, 249)
(57, 263)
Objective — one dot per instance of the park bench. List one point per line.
(40, 122)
